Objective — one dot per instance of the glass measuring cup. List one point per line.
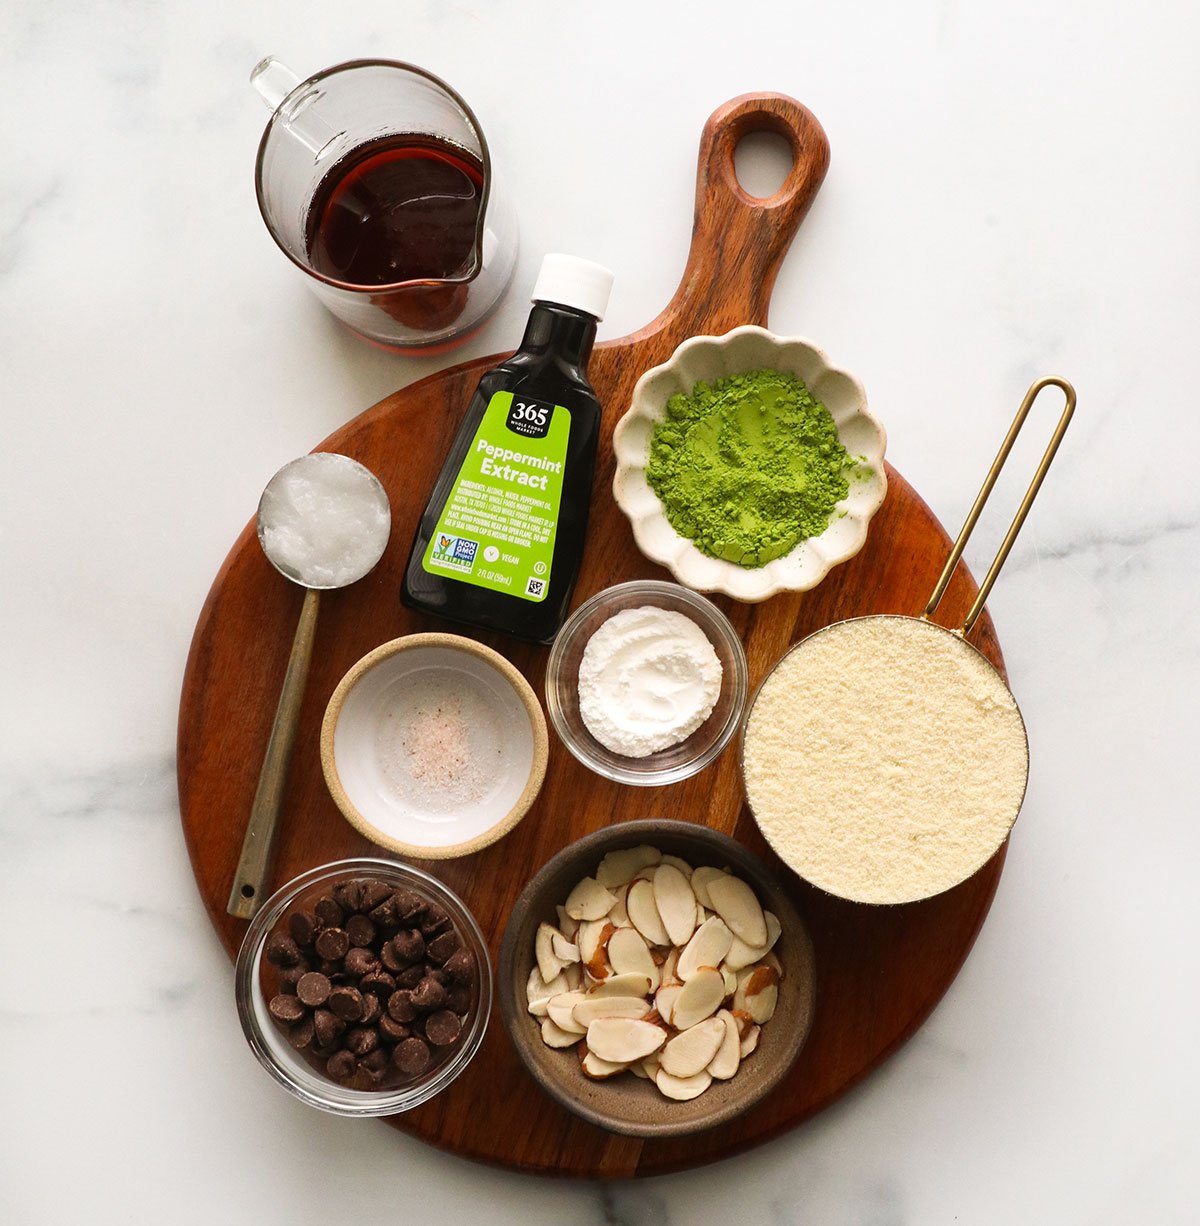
(325, 135)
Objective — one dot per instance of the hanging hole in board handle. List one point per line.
(775, 114)
(1022, 511)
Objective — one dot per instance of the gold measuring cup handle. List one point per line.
(1022, 511)
(251, 878)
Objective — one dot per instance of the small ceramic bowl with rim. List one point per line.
(433, 746)
(255, 981)
(706, 359)
(676, 762)
(626, 1104)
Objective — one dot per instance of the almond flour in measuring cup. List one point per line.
(648, 679)
(885, 760)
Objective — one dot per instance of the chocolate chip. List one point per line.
(328, 912)
(372, 1010)
(360, 962)
(386, 915)
(314, 988)
(408, 904)
(442, 1028)
(360, 930)
(327, 1027)
(291, 975)
(378, 983)
(333, 968)
(346, 1003)
(333, 943)
(409, 946)
(304, 926)
(362, 1039)
(375, 1064)
(286, 1009)
(348, 895)
(373, 893)
(436, 920)
(282, 950)
(400, 1006)
(391, 1030)
(410, 976)
(390, 959)
(458, 998)
(341, 1066)
(428, 994)
(302, 1033)
(411, 1057)
(439, 974)
(460, 966)
(442, 946)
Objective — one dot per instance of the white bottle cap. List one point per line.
(572, 282)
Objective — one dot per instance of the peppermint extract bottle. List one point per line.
(500, 542)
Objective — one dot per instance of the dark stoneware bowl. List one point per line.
(626, 1104)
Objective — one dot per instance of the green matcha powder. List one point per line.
(748, 466)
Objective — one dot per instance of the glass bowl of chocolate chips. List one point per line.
(364, 987)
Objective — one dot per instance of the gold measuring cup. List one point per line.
(802, 852)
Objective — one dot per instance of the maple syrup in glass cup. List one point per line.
(375, 180)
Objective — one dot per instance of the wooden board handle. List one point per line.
(739, 240)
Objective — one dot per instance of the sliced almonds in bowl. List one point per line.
(631, 968)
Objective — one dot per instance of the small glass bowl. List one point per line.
(289, 1067)
(667, 765)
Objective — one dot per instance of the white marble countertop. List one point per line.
(1013, 192)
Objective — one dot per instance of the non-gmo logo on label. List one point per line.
(529, 418)
(454, 552)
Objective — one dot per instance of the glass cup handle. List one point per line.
(291, 101)
(273, 80)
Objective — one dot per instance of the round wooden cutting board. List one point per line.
(880, 970)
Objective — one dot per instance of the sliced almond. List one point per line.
(699, 998)
(645, 874)
(682, 1088)
(555, 1036)
(619, 867)
(735, 902)
(589, 900)
(699, 883)
(649, 1066)
(619, 915)
(670, 963)
(744, 1020)
(691, 1051)
(538, 991)
(573, 975)
(771, 959)
(566, 925)
(549, 963)
(643, 913)
(561, 1011)
(597, 1069)
(624, 1040)
(565, 951)
(593, 1007)
(676, 903)
(664, 1000)
(682, 865)
(741, 955)
(597, 965)
(729, 1055)
(708, 947)
(628, 955)
(621, 985)
(731, 980)
(637, 1069)
(750, 1041)
(588, 938)
(760, 993)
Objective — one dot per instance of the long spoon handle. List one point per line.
(254, 866)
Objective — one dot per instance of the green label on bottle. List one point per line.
(498, 526)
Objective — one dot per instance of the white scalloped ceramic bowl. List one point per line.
(706, 358)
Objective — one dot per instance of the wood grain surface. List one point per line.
(879, 970)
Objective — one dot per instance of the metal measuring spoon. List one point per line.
(312, 520)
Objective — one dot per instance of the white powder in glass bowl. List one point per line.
(648, 679)
(885, 759)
